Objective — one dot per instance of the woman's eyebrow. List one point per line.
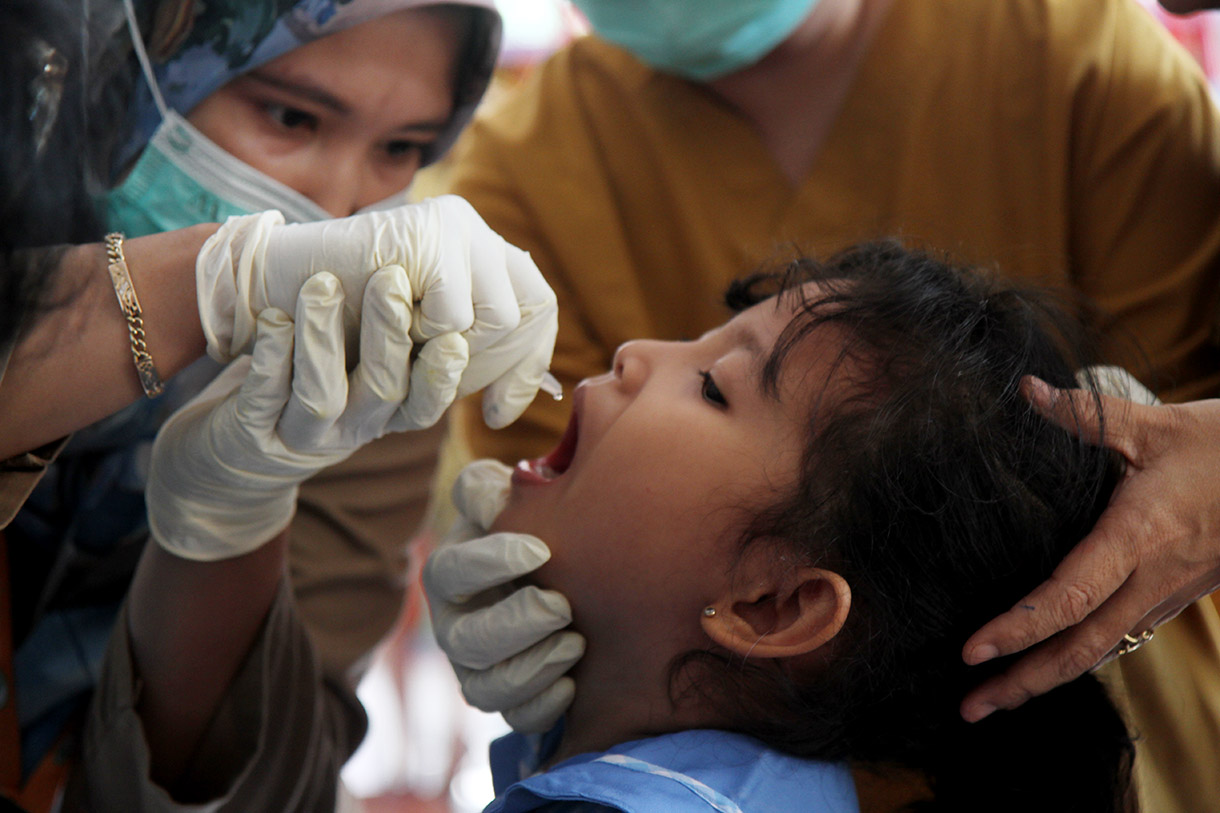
(318, 95)
(303, 89)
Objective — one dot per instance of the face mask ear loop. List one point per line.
(137, 43)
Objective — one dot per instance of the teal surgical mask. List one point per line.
(696, 39)
(183, 178)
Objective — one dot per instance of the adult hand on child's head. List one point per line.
(225, 468)
(1154, 551)
(507, 644)
(468, 287)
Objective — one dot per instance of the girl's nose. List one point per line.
(633, 361)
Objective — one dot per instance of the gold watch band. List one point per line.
(116, 264)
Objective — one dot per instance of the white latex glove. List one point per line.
(464, 280)
(507, 644)
(225, 468)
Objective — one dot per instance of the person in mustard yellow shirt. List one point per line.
(1070, 144)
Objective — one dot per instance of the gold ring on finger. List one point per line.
(1130, 643)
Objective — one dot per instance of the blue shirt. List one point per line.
(699, 771)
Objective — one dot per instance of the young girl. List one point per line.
(776, 538)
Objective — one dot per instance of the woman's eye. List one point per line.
(712, 393)
(402, 148)
(290, 118)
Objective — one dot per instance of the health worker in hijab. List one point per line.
(275, 113)
(69, 352)
(314, 97)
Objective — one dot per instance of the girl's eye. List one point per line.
(711, 393)
(290, 118)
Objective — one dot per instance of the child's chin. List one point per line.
(508, 523)
(521, 515)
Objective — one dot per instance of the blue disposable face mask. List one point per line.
(697, 39)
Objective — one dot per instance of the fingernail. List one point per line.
(491, 415)
(976, 713)
(983, 653)
(325, 284)
(537, 548)
(1040, 390)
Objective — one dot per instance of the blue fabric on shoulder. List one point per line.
(697, 771)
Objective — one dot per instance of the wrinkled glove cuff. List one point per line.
(225, 283)
(208, 533)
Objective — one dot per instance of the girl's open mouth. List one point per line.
(553, 465)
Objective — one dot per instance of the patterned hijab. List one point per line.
(196, 46)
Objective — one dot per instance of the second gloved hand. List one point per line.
(507, 645)
(225, 468)
(464, 280)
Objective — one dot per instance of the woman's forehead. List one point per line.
(242, 34)
(198, 50)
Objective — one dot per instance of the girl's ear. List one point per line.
(779, 615)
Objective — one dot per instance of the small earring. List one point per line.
(709, 612)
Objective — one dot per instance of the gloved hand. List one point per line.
(505, 643)
(225, 468)
(464, 279)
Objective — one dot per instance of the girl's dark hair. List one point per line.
(64, 83)
(942, 498)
